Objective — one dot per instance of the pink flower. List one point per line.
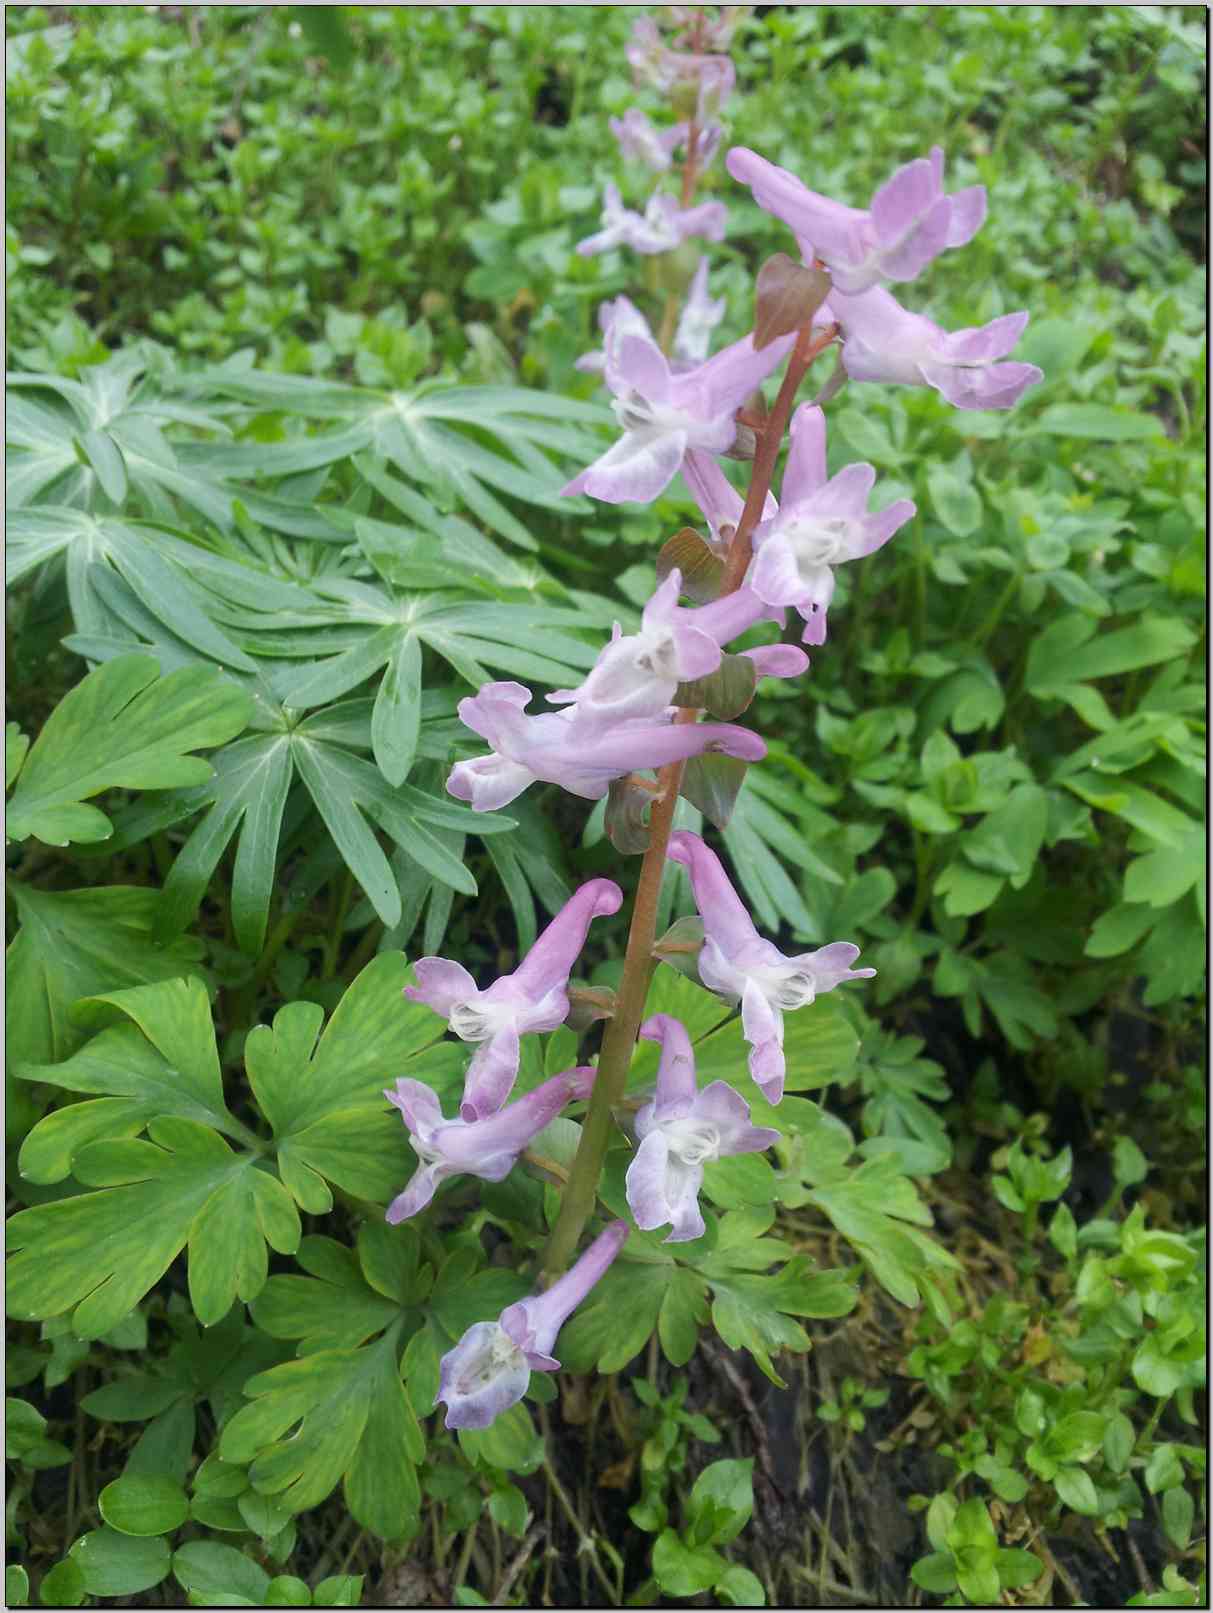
(908, 222)
(882, 342)
(716, 496)
(741, 967)
(654, 63)
(620, 317)
(580, 753)
(664, 413)
(636, 676)
(820, 524)
(533, 998)
(660, 228)
(488, 1371)
(486, 1148)
(642, 139)
(680, 1132)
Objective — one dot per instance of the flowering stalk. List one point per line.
(619, 1039)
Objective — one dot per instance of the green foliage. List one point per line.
(293, 313)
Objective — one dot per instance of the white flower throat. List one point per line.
(476, 1022)
(692, 1142)
(499, 1354)
(816, 542)
(785, 987)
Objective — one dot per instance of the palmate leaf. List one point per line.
(159, 1071)
(324, 1098)
(74, 944)
(158, 1059)
(97, 1254)
(174, 581)
(99, 442)
(454, 445)
(532, 642)
(102, 434)
(121, 726)
(772, 826)
(671, 1289)
(249, 791)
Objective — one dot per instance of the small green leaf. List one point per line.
(1076, 1489)
(143, 1504)
(682, 1570)
(1098, 421)
(220, 1574)
(16, 1586)
(120, 1565)
(63, 1585)
(1178, 1513)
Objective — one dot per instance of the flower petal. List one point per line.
(442, 984)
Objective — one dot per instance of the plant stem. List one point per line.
(615, 1055)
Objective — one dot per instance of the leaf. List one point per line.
(220, 1575)
(118, 1565)
(1071, 652)
(721, 1502)
(74, 944)
(353, 1424)
(957, 502)
(101, 1252)
(123, 726)
(725, 693)
(162, 1062)
(1097, 420)
(143, 1504)
(786, 296)
(712, 783)
(701, 567)
(682, 1570)
(879, 1212)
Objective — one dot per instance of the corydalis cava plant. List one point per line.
(677, 410)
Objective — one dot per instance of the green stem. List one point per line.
(278, 937)
(995, 616)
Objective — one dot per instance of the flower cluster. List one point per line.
(678, 413)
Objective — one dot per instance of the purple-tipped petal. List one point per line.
(805, 471)
(553, 955)
(488, 782)
(725, 916)
(441, 984)
(728, 1111)
(676, 1070)
(634, 470)
(778, 661)
(762, 1027)
(491, 1075)
(418, 1104)
(419, 1192)
(535, 1322)
(968, 214)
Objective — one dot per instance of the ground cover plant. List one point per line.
(862, 1290)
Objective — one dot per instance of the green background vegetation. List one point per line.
(276, 279)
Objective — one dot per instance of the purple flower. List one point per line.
(740, 966)
(664, 413)
(533, 998)
(680, 1132)
(654, 63)
(620, 317)
(640, 138)
(699, 318)
(636, 676)
(696, 25)
(820, 524)
(882, 342)
(716, 496)
(488, 1371)
(486, 1148)
(580, 753)
(908, 222)
(660, 228)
